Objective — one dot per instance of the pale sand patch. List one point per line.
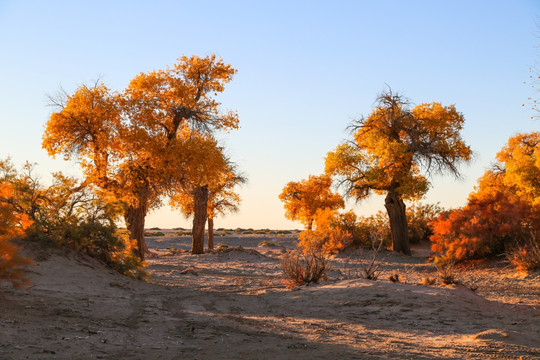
(232, 305)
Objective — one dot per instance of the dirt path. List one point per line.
(232, 305)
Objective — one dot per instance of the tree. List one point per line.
(130, 144)
(519, 160)
(303, 199)
(390, 148)
(208, 191)
(222, 198)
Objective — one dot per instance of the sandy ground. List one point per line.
(233, 305)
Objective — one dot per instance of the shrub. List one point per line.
(328, 237)
(12, 225)
(303, 268)
(526, 257)
(445, 270)
(72, 215)
(419, 217)
(154, 234)
(493, 220)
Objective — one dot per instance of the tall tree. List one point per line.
(208, 190)
(129, 143)
(390, 149)
(302, 199)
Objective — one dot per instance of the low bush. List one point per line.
(154, 234)
(303, 268)
(72, 215)
(526, 257)
(487, 226)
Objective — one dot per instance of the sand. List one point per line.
(233, 305)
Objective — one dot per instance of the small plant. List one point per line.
(445, 270)
(303, 268)
(171, 250)
(371, 271)
(154, 234)
(526, 257)
(395, 277)
(428, 281)
(266, 243)
(155, 228)
(222, 247)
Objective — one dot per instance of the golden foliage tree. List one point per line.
(390, 151)
(131, 144)
(191, 195)
(303, 199)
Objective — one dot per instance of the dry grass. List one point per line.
(303, 268)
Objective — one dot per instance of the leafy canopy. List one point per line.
(392, 146)
(303, 199)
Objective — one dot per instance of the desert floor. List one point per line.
(233, 305)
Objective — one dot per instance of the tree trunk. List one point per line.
(199, 218)
(210, 232)
(398, 223)
(134, 217)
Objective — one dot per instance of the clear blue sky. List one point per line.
(305, 69)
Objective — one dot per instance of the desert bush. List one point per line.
(493, 220)
(427, 281)
(526, 257)
(371, 271)
(419, 217)
(266, 243)
(12, 225)
(396, 277)
(154, 234)
(155, 228)
(70, 214)
(303, 268)
(328, 236)
(445, 270)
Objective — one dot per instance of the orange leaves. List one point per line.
(394, 145)
(493, 219)
(11, 225)
(521, 159)
(137, 144)
(330, 235)
(303, 199)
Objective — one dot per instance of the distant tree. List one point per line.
(389, 150)
(130, 144)
(303, 199)
(519, 160)
(222, 198)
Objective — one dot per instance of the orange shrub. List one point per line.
(328, 236)
(11, 225)
(493, 220)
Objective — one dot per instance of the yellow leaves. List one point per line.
(392, 147)
(303, 199)
(521, 158)
(139, 143)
